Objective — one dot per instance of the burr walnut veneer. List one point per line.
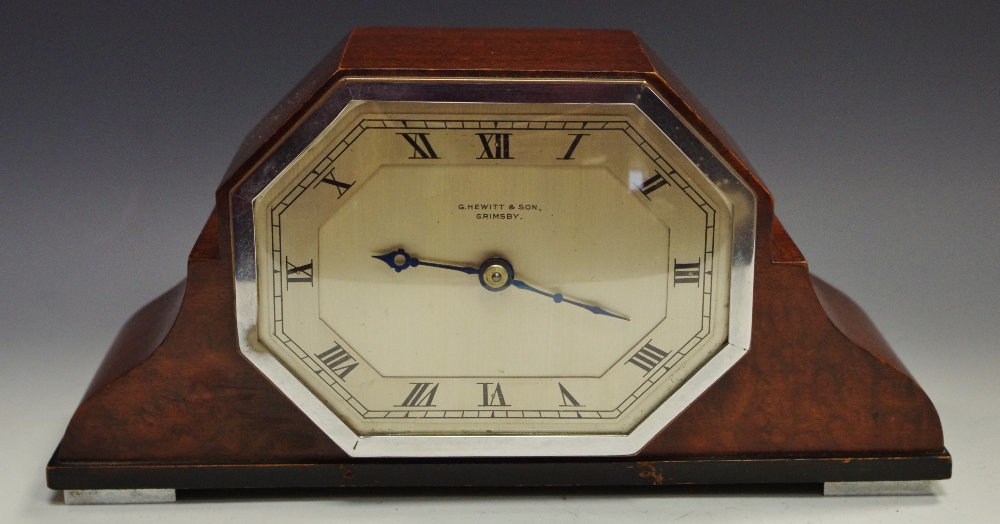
(819, 396)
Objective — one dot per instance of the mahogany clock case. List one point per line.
(819, 396)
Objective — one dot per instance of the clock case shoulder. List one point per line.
(818, 381)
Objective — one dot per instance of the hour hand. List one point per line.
(400, 260)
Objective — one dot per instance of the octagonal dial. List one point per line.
(608, 249)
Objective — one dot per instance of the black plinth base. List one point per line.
(495, 473)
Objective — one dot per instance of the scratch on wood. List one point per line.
(653, 473)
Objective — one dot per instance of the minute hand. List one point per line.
(558, 297)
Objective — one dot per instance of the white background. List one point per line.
(874, 125)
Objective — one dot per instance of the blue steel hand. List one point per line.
(558, 297)
(411, 261)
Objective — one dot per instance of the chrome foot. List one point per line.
(880, 488)
(119, 496)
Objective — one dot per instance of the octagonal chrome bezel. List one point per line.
(582, 91)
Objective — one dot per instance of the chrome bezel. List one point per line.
(583, 91)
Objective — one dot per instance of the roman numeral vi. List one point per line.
(492, 399)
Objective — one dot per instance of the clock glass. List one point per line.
(492, 269)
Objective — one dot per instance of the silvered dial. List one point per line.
(483, 269)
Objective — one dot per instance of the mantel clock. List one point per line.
(464, 268)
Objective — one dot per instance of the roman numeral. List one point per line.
(568, 400)
(652, 184)
(422, 149)
(421, 395)
(492, 399)
(496, 146)
(337, 360)
(687, 273)
(293, 273)
(648, 357)
(341, 186)
(572, 147)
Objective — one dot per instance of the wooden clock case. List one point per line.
(819, 397)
